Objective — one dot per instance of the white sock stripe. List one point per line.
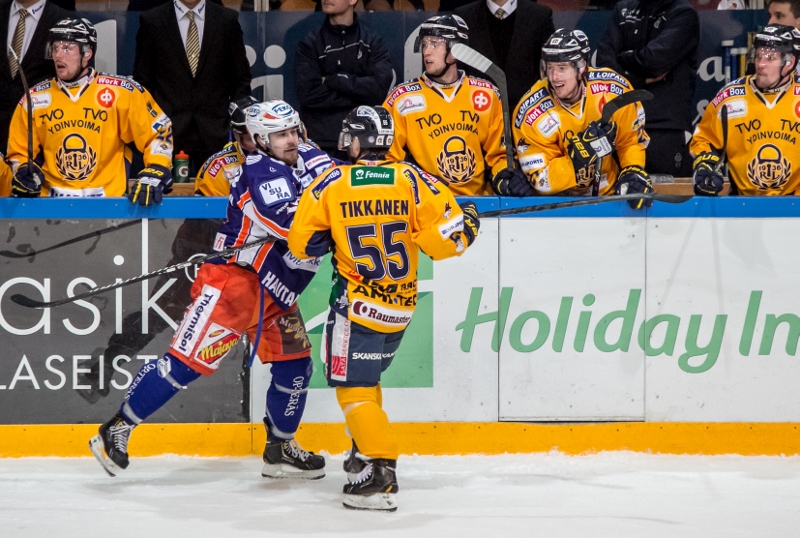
(128, 412)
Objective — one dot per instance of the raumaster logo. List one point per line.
(380, 314)
(586, 330)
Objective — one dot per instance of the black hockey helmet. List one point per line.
(372, 125)
(566, 46)
(451, 28)
(79, 31)
(236, 111)
(780, 37)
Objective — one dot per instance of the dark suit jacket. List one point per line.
(197, 106)
(34, 64)
(533, 25)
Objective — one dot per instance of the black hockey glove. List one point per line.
(583, 157)
(152, 184)
(601, 136)
(512, 182)
(633, 180)
(707, 177)
(27, 181)
(471, 221)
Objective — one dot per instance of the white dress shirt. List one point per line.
(508, 7)
(199, 19)
(34, 14)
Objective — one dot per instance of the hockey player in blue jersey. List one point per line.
(253, 292)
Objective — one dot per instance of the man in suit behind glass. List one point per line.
(28, 38)
(511, 34)
(190, 55)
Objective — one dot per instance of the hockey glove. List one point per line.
(584, 159)
(601, 136)
(471, 221)
(512, 182)
(633, 180)
(707, 177)
(152, 184)
(27, 181)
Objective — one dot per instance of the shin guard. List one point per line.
(367, 422)
(286, 397)
(154, 385)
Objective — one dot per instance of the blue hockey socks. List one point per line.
(286, 397)
(153, 386)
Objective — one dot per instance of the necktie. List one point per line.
(16, 43)
(500, 14)
(192, 44)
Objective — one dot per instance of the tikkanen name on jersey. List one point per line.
(369, 208)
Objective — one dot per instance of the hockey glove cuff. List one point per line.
(634, 180)
(27, 181)
(707, 179)
(602, 137)
(151, 185)
(512, 182)
(472, 223)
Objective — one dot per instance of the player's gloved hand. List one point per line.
(471, 221)
(580, 152)
(27, 181)
(707, 178)
(512, 182)
(601, 136)
(634, 180)
(152, 184)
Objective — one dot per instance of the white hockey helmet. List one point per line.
(271, 116)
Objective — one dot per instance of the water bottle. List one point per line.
(180, 168)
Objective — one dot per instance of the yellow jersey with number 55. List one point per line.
(375, 215)
(80, 131)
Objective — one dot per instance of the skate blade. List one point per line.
(96, 446)
(280, 470)
(384, 502)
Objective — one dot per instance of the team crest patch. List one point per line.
(456, 161)
(106, 97)
(75, 159)
(769, 169)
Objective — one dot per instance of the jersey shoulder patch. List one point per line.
(530, 100)
(275, 190)
(42, 86)
(429, 180)
(482, 83)
(735, 88)
(412, 85)
(327, 179)
(220, 159)
(608, 75)
(106, 79)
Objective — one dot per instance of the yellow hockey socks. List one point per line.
(367, 422)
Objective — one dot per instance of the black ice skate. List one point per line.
(354, 463)
(374, 488)
(287, 459)
(110, 445)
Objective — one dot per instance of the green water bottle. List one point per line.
(180, 168)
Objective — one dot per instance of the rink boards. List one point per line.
(674, 330)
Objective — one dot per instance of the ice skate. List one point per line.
(287, 459)
(354, 463)
(110, 445)
(374, 488)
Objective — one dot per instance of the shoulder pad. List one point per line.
(429, 180)
(606, 74)
(531, 99)
(406, 87)
(735, 88)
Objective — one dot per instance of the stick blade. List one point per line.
(27, 301)
(471, 57)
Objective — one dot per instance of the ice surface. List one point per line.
(616, 494)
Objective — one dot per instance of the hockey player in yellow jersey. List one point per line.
(374, 215)
(82, 120)
(448, 123)
(759, 135)
(561, 145)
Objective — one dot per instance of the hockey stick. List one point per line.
(30, 105)
(478, 61)
(33, 303)
(666, 198)
(97, 233)
(627, 98)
